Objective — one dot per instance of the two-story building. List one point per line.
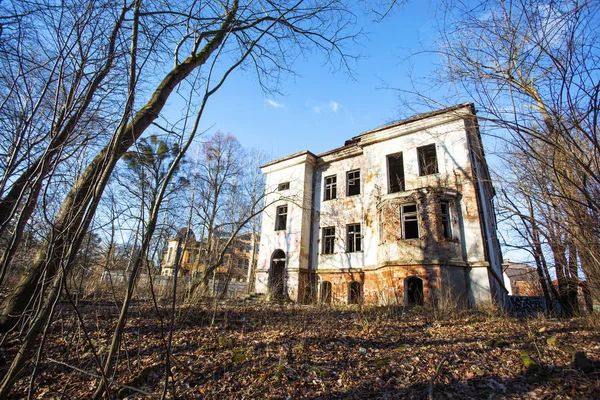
(400, 214)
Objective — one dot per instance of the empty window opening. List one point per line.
(446, 224)
(413, 287)
(283, 186)
(353, 179)
(281, 218)
(427, 160)
(395, 173)
(410, 221)
(277, 276)
(353, 238)
(354, 292)
(326, 292)
(330, 187)
(328, 240)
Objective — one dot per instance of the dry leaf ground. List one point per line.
(291, 351)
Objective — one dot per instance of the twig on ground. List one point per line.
(434, 377)
(98, 376)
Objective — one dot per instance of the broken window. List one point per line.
(326, 292)
(446, 225)
(413, 289)
(353, 180)
(354, 293)
(330, 187)
(283, 186)
(328, 240)
(410, 221)
(395, 173)
(281, 218)
(353, 238)
(427, 160)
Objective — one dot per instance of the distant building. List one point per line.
(521, 280)
(241, 254)
(399, 214)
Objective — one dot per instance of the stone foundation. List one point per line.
(386, 285)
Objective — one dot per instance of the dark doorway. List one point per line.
(277, 276)
(413, 287)
(326, 292)
(354, 293)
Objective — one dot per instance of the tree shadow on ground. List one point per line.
(542, 385)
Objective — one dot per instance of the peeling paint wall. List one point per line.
(451, 269)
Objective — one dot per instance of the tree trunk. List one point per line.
(83, 197)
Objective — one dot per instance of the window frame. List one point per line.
(328, 238)
(279, 212)
(330, 188)
(404, 218)
(446, 220)
(402, 186)
(358, 298)
(353, 238)
(427, 167)
(283, 186)
(353, 179)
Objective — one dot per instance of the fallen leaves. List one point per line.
(309, 352)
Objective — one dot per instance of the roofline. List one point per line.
(300, 153)
(355, 141)
(419, 117)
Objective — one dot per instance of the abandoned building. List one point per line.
(237, 260)
(401, 214)
(521, 279)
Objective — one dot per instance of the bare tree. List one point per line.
(50, 100)
(532, 68)
(208, 41)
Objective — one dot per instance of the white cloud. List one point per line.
(332, 106)
(275, 104)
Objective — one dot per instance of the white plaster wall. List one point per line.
(479, 284)
(298, 173)
(487, 210)
(340, 212)
(454, 172)
(507, 283)
(169, 263)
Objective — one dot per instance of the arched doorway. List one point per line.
(413, 289)
(354, 293)
(326, 292)
(277, 276)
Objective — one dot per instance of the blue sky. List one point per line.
(319, 108)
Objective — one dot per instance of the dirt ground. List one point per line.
(268, 351)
